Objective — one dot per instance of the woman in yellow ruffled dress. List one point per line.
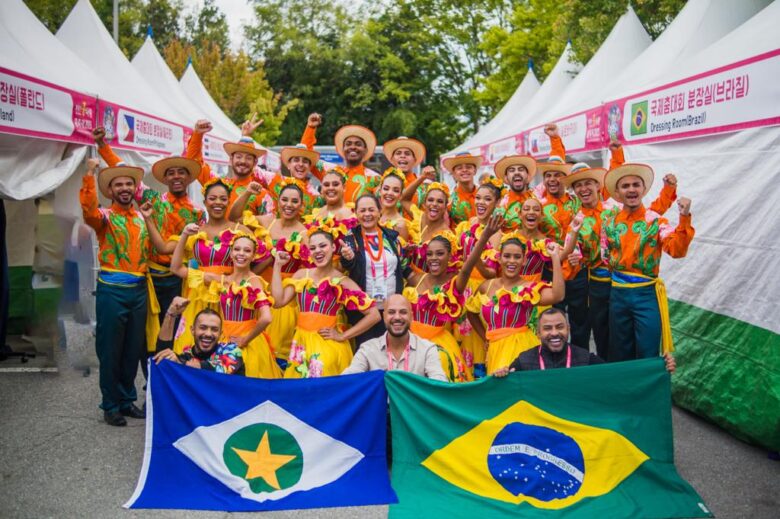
(208, 246)
(438, 299)
(486, 201)
(500, 309)
(243, 304)
(319, 347)
(284, 232)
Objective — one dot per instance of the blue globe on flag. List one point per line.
(536, 461)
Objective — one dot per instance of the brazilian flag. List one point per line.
(589, 442)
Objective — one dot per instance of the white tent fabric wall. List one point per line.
(699, 24)
(562, 74)
(627, 40)
(513, 109)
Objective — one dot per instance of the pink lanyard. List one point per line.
(568, 357)
(405, 356)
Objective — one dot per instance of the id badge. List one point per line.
(379, 293)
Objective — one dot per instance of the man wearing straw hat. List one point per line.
(244, 157)
(463, 168)
(173, 211)
(516, 171)
(121, 287)
(406, 154)
(633, 240)
(356, 145)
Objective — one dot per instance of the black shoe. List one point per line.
(114, 418)
(133, 412)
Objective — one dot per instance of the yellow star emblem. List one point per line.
(261, 463)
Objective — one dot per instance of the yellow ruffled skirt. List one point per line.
(506, 344)
(452, 361)
(201, 295)
(312, 356)
(471, 345)
(259, 359)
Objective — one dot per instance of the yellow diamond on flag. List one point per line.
(525, 454)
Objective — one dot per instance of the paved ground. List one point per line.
(58, 459)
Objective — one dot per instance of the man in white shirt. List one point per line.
(398, 348)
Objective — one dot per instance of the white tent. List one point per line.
(511, 110)
(725, 293)
(32, 167)
(625, 42)
(581, 130)
(151, 65)
(84, 34)
(556, 83)
(696, 26)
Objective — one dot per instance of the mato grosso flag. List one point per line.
(590, 442)
(224, 442)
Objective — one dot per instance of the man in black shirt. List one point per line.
(206, 353)
(555, 351)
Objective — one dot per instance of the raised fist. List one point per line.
(685, 205)
(314, 120)
(203, 126)
(551, 130)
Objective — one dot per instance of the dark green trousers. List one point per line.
(120, 341)
(634, 323)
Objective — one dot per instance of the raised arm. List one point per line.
(89, 199)
(572, 236)
(309, 138)
(195, 149)
(162, 246)
(556, 143)
(675, 241)
(667, 196)
(177, 260)
(111, 158)
(427, 173)
(550, 296)
(493, 226)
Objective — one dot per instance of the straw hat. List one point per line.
(354, 130)
(515, 160)
(299, 150)
(582, 171)
(106, 175)
(462, 158)
(554, 163)
(161, 166)
(417, 147)
(244, 145)
(642, 171)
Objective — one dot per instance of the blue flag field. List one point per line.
(217, 442)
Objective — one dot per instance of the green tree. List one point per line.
(208, 24)
(236, 84)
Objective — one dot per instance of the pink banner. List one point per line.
(734, 97)
(35, 108)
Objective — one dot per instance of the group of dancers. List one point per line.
(299, 270)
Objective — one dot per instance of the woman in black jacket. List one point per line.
(378, 270)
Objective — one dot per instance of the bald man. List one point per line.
(398, 348)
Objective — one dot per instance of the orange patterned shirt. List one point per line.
(122, 235)
(633, 242)
(171, 213)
